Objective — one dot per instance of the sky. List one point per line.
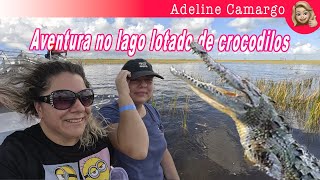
(17, 33)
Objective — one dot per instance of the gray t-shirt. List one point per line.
(150, 167)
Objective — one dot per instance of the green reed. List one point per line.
(174, 106)
(153, 102)
(301, 97)
(159, 105)
(185, 112)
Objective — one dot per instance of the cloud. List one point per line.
(243, 25)
(195, 26)
(20, 30)
(119, 23)
(17, 46)
(304, 48)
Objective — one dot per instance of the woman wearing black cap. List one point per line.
(158, 164)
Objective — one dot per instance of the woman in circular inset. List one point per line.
(303, 14)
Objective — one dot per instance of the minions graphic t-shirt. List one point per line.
(29, 154)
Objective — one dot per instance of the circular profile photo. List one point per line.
(303, 14)
(303, 17)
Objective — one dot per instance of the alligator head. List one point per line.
(265, 137)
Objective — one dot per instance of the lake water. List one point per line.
(209, 147)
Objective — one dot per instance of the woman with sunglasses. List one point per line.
(67, 142)
(158, 164)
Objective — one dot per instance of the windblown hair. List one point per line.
(24, 83)
(305, 5)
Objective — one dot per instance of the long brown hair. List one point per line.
(20, 87)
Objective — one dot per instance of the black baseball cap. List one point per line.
(139, 68)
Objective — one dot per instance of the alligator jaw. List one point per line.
(226, 101)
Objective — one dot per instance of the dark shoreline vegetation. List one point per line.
(177, 61)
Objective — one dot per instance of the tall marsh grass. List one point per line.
(185, 112)
(302, 98)
(176, 107)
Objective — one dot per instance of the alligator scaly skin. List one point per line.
(265, 137)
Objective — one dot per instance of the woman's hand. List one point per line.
(122, 82)
(313, 22)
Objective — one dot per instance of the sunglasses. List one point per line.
(64, 99)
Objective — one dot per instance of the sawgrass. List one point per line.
(185, 112)
(301, 97)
